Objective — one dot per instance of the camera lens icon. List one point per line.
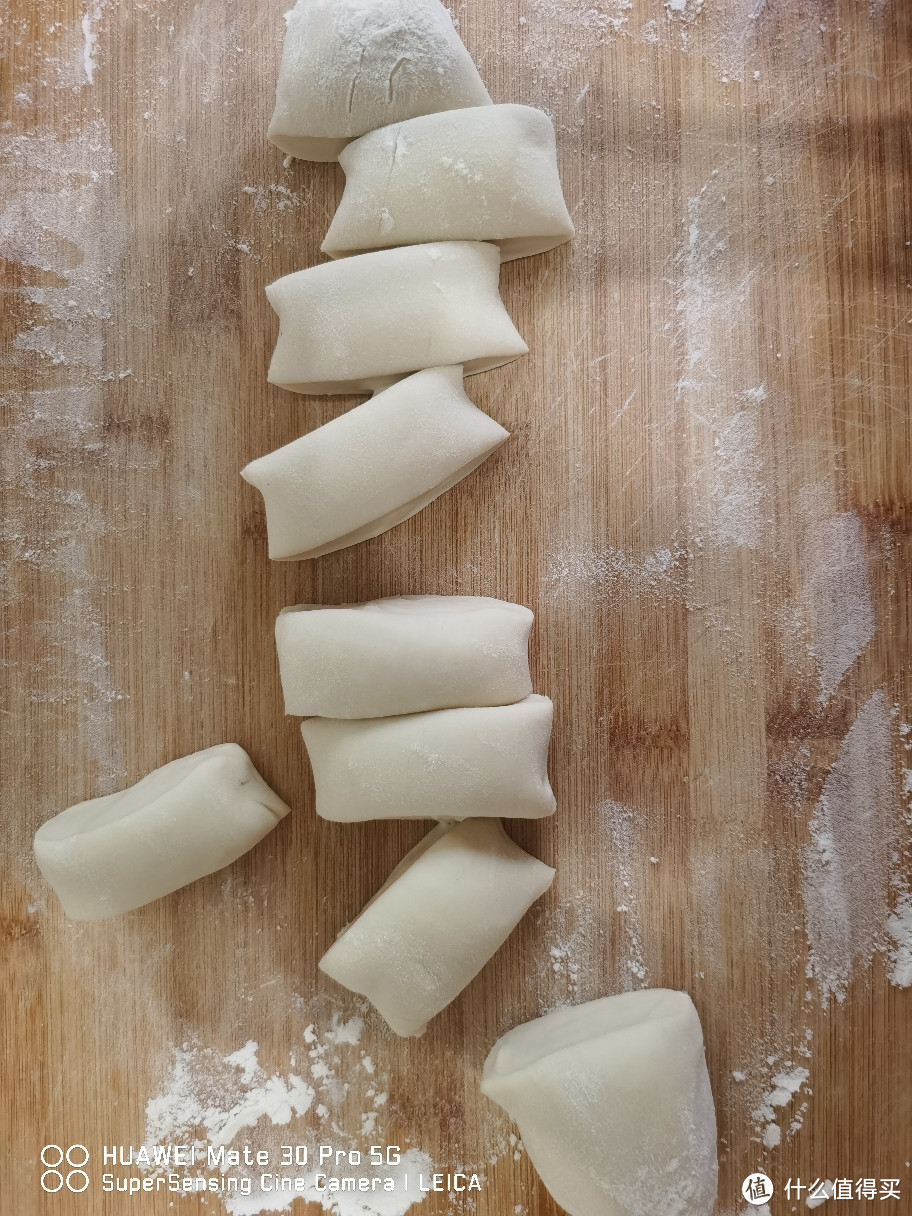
(757, 1189)
(76, 1180)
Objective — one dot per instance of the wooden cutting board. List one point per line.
(705, 500)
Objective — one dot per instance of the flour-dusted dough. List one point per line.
(613, 1104)
(350, 326)
(403, 655)
(373, 467)
(484, 174)
(446, 764)
(443, 912)
(180, 822)
(349, 66)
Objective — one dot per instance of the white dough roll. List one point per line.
(403, 655)
(349, 66)
(373, 467)
(446, 764)
(179, 823)
(441, 915)
(613, 1103)
(352, 326)
(482, 174)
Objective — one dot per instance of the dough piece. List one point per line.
(613, 1104)
(349, 66)
(485, 174)
(349, 326)
(403, 655)
(182, 821)
(375, 466)
(447, 764)
(442, 913)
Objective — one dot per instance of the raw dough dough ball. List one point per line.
(403, 655)
(349, 66)
(350, 326)
(486, 174)
(373, 467)
(182, 821)
(613, 1104)
(446, 764)
(443, 912)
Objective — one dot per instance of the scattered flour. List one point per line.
(277, 196)
(188, 1101)
(627, 855)
(595, 21)
(716, 323)
(221, 1095)
(61, 222)
(847, 864)
(575, 945)
(210, 1099)
(772, 1136)
(738, 490)
(785, 1086)
(662, 573)
(555, 36)
(836, 590)
(90, 41)
(768, 1088)
(783, 1089)
(40, 229)
(899, 926)
(683, 10)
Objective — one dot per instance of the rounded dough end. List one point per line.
(180, 822)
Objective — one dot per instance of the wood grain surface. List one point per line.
(705, 500)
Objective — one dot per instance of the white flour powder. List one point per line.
(211, 1099)
(836, 590)
(623, 824)
(847, 864)
(60, 217)
(899, 926)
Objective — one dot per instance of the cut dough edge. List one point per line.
(399, 515)
(374, 384)
(511, 247)
(309, 147)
